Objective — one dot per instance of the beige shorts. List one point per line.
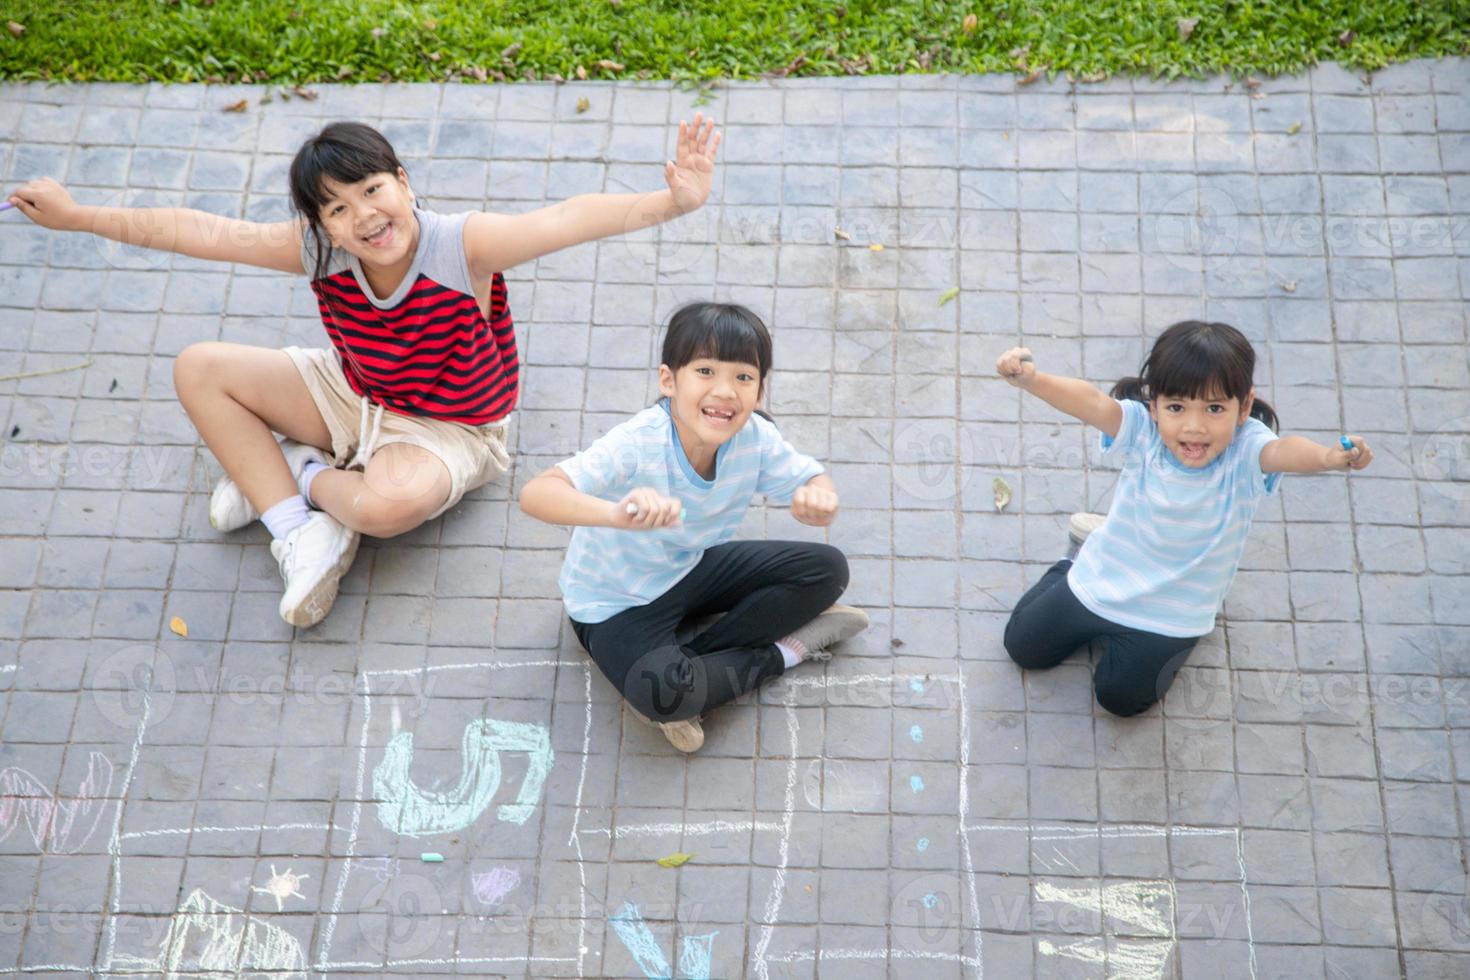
(474, 455)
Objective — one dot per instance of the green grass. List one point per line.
(303, 41)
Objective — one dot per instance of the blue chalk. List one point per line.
(1345, 443)
(429, 857)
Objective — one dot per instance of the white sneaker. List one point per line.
(313, 559)
(835, 624)
(228, 508)
(1080, 525)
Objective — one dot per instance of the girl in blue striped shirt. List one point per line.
(1199, 454)
(655, 503)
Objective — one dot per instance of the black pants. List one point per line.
(766, 589)
(1135, 668)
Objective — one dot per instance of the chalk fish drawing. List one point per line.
(57, 825)
(407, 810)
(694, 953)
(493, 885)
(211, 938)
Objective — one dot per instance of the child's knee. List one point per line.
(194, 366)
(384, 517)
(1124, 696)
(832, 566)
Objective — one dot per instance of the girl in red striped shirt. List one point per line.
(406, 412)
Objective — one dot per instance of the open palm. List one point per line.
(693, 170)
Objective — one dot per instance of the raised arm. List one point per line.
(183, 230)
(1076, 397)
(496, 242)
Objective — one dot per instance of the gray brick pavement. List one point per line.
(1296, 808)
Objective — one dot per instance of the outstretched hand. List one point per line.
(46, 203)
(1356, 458)
(692, 171)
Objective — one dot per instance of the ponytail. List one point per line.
(1130, 389)
(1262, 411)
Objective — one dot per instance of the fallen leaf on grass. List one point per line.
(608, 65)
(583, 105)
(1030, 77)
(675, 860)
(305, 93)
(1186, 26)
(1002, 494)
(1346, 38)
(343, 72)
(581, 73)
(1293, 129)
(240, 106)
(179, 626)
(948, 294)
(969, 24)
(15, 29)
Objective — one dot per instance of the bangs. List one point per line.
(720, 331)
(727, 339)
(345, 152)
(1204, 362)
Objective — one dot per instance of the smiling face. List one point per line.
(710, 401)
(1198, 430)
(372, 218)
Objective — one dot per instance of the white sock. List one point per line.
(286, 516)
(788, 648)
(308, 473)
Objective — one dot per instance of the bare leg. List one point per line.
(402, 486)
(236, 396)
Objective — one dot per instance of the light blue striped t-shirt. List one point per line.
(608, 570)
(1165, 557)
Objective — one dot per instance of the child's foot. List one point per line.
(228, 508)
(1080, 525)
(835, 624)
(686, 736)
(313, 559)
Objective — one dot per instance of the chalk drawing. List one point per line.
(57, 825)
(384, 869)
(923, 844)
(916, 784)
(493, 885)
(407, 810)
(282, 886)
(916, 733)
(209, 937)
(694, 954)
(377, 704)
(1146, 906)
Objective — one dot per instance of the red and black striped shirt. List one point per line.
(428, 349)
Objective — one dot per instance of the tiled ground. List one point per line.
(917, 808)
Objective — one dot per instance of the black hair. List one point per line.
(723, 331)
(346, 152)
(1195, 359)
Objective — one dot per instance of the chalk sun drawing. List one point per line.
(211, 938)
(493, 885)
(405, 809)
(57, 825)
(694, 953)
(282, 886)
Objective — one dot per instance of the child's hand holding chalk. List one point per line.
(6, 205)
(644, 509)
(1355, 452)
(1017, 366)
